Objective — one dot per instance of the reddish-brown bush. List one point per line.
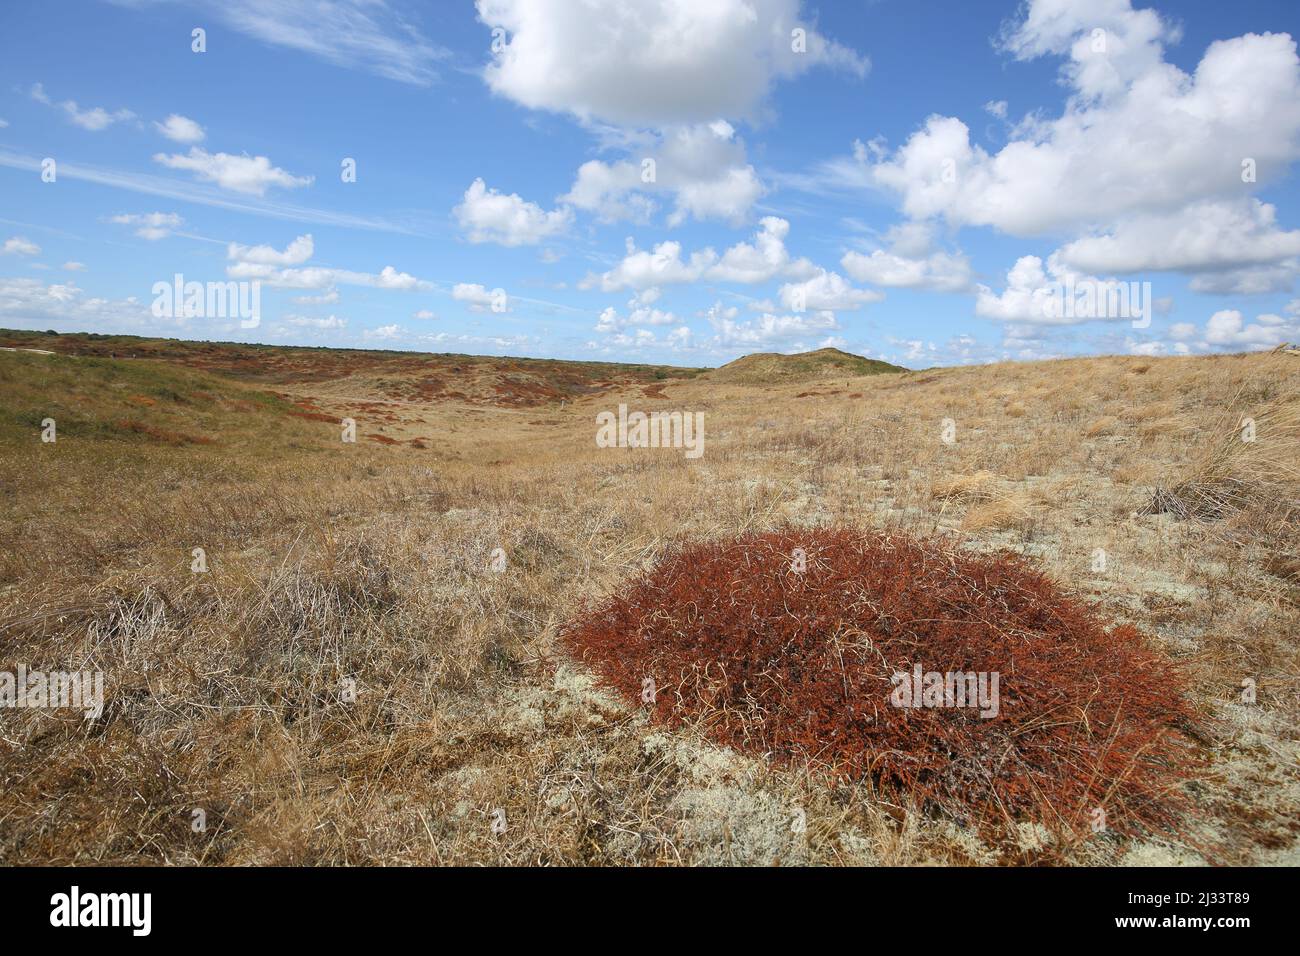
(799, 666)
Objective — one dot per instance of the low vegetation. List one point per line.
(801, 644)
(372, 668)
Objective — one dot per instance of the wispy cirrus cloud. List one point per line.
(368, 35)
(205, 195)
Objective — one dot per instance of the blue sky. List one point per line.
(906, 180)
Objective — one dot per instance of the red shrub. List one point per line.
(799, 666)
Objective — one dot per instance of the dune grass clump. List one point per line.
(792, 644)
(1245, 460)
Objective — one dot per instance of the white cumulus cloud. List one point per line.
(479, 298)
(910, 262)
(150, 225)
(20, 246)
(490, 216)
(1228, 330)
(295, 253)
(180, 129)
(285, 269)
(826, 291)
(94, 119)
(244, 174)
(703, 167)
(765, 258)
(1205, 235)
(655, 62)
(1138, 143)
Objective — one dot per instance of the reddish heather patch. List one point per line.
(520, 393)
(317, 417)
(383, 439)
(800, 666)
(162, 434)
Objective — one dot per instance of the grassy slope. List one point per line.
(130, 435)
(95, 398)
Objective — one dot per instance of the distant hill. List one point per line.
(774, 368)
(399, 376)
(432, 377)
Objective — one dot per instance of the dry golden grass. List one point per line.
(977, 486)
(998, 513)
(1102, 426)
(336, 566)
